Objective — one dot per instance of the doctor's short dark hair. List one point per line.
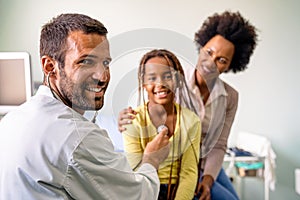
(54, 34)
(233, 27)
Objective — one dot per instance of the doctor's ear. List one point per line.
(48, 65)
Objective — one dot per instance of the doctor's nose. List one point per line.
(101, 73)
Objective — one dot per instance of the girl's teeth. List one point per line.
(161, 93)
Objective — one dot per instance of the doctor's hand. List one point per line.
(158, 149)
(125, 117)
(204, 187)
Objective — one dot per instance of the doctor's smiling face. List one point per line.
(85, 76)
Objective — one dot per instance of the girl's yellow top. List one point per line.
(184, 150)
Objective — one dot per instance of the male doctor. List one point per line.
(48, 150)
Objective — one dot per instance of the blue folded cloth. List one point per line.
(240, 152)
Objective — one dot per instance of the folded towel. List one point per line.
(260, 146)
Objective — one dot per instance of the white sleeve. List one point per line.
(97, 172)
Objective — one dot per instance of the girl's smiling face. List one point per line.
(159, 81)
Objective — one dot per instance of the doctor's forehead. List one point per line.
(81, 43)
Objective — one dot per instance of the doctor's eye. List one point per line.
(106, 63)
(87, 61)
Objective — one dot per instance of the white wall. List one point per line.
(269, 89)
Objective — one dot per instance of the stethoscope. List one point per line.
(59, 97)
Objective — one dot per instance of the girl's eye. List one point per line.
(168, 77)
(151, 78)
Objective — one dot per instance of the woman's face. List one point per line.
(215, 57)
(159, 81)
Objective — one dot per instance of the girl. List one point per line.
(161, 76)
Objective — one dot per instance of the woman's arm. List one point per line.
(125, 117)
(214, 159)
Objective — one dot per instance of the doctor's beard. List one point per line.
(76, 94)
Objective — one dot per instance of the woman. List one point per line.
(228, 41)
(161, 76)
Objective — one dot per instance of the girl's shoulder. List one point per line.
(187, 113)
